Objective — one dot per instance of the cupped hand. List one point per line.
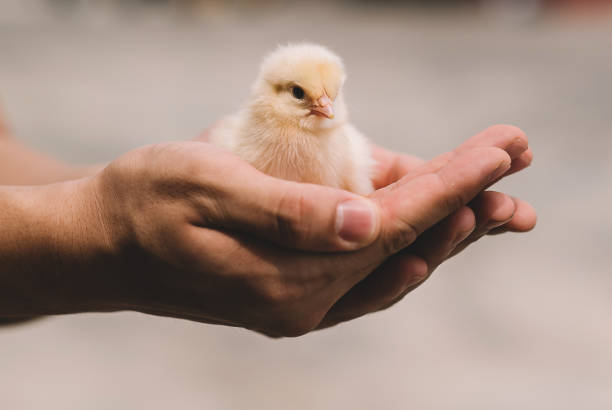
(196, 233)
(488, 213)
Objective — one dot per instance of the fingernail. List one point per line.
(355, 221)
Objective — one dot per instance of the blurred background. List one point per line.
(517, 321)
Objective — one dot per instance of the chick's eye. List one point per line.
(297, 92)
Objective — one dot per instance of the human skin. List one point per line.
(189, 231)
(20, 165)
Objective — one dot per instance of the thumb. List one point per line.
(296, 215)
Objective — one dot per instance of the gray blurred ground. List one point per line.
(514, 322)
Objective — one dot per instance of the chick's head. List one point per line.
(301, 84)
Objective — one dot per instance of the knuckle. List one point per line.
(450, 197)
(290, 218)
(277, 295)
(401, 237)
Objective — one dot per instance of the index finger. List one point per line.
(392, 166)
(511, 139)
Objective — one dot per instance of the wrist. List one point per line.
(55, 250)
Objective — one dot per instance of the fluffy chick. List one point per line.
(295, 124)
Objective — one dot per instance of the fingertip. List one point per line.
(493, 209)
(460, 225)
(507, 137)
(522, 162)
(506, 130)
(466, 219)
(525, 217)
(410, 270)
(523, 220)
(503, 207)
(527, 157)
(493, 161)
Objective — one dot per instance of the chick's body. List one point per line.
(295, 125)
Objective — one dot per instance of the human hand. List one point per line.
(491, 208)
(285, 308)
(488, 213)
(187, 230)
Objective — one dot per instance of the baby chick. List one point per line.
(295, 124)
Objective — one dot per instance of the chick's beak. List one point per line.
(323, 107)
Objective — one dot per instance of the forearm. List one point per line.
(20, 165)
(49, 249)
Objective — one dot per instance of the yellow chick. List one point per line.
(295, 124)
